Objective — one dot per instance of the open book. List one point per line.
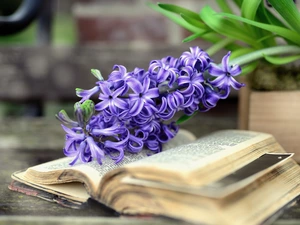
(227, 177)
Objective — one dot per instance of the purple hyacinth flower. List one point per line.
(225, 75)
(153, 144)
(209, 99)
(196, 58)
(95, 151)
(191, 81)
(163, 71)
(81, 147)
(110, 99)
(119, 73)
(134, 144)
(164, 111)
(142, 96)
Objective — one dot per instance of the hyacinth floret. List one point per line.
(134, 108)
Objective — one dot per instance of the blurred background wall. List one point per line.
(38, 78)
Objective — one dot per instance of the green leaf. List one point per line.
(270, 18)
(238, 3)
(97, 74)
(249, 68)
(197, 23)
(184, 118)
(225, 27)
(258, 54)
(283, 32)
(224, 6)
(249, 8)
(175, 18)
(281, 60)
(219, 45)
(193, 37)
(240, 51)
(179, 10)
(289, 12)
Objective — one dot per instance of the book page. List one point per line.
(96, 171)
(203, 150)
(74, 191)
(227, 185)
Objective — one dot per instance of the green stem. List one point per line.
(278, 50)
(219, 45)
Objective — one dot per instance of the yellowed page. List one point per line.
(59, 171)
(74, 191)
(205, 159)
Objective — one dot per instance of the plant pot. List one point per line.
(274, 112)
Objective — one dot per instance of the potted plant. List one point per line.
(264, 37)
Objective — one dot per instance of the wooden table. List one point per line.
(25, 142)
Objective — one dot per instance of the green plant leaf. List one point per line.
(283, 32)
(197, 23)
(289, 12)
(281, 60)
(240, 51)
(238, 3)
(211, 37)
(258, 54)
(269, 17)
(193, 37)
(249, 8)
(184, 118)
(249, 68)
(225, 27)
(219, 45)
(179, 10)
(175, 18)
(223, 4)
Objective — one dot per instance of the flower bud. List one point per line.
(88, 110)
(79, 114)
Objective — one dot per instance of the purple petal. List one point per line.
(235, 70)
(215, 70)
(219, 81)
(136, 108)
(120, 103)
(225, 62)
(152, 93)
(101, 105)
(188, 91)
(135, 85)
(236, 85)
(104, 87)
(135, 144)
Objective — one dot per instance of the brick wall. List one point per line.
(130, 23)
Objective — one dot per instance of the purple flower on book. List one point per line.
(135, 108)
(82, 147)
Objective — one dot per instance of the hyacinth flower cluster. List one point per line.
(134, 109)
